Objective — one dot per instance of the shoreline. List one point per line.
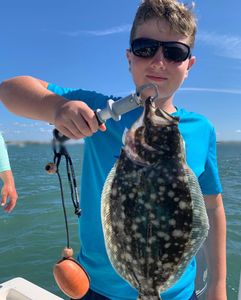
(16, 143)
(25, 143)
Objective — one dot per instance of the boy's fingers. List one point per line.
(70, 133)
(102, 127)
(82, 126)
(87, 118)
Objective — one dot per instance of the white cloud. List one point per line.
(36, 124)
(20, 124)
(108, 31)
(189, 89)
(226, 45)
(41, 129)
(32, 125)
(238, 131)
(212, 90)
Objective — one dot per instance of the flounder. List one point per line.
(153, 213)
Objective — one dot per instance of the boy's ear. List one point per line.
(128, 56)
(191, 62)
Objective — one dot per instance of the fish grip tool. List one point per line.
(69, 275)
(115, 109)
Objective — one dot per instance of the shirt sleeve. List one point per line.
(209, 180)
(91, 98)
(4, 160)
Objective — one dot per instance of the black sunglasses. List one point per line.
(172, 51)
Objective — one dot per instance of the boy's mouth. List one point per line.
(156, 78)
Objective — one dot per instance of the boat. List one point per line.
(21, 289)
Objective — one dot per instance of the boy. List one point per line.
(162, 35)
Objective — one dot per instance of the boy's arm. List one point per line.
(9, 195)
(29, 97)
(215, 248)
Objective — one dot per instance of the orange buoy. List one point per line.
(70, 276)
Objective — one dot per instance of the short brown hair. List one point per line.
(180, 17)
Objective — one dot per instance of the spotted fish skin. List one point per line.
(153, 214)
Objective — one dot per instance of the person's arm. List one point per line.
(29, 97)
(9, 195)
(215, 248)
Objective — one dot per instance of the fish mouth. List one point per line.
(158, 116)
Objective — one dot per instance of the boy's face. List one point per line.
(166, 74)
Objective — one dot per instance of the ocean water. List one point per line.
(229, 158)
(33, 235)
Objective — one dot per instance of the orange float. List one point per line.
(70, 276)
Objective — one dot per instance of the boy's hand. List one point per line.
(76, 120)
(9, 195)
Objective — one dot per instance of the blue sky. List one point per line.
(81, 43)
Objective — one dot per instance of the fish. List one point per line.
(152, 209)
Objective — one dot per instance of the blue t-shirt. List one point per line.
(100, 154)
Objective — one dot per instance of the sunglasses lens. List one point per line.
(176, 52)
(172, 51)
(144, 47)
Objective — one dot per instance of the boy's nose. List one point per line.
(159, 58)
